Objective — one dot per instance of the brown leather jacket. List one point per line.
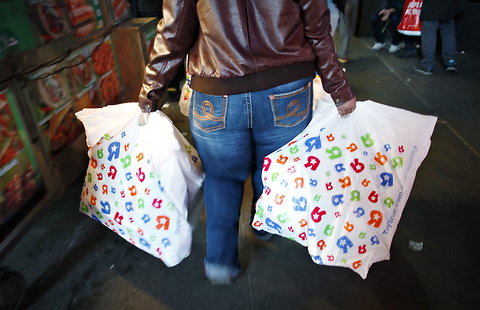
(237, 46)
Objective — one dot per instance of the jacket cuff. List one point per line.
(150, 98)
(343, 94)
(145, 104)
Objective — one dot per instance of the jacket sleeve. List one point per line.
(176, 34)
(316, 21)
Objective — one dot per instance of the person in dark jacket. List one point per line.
(251, 65)
(439, 15)
(387, 18)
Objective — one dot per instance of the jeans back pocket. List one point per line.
(290, 108)
(208, 111)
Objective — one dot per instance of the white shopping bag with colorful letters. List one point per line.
(339, 188)
(186, 96)
(140, 179)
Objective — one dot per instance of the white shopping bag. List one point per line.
(140, 179)
(320, 96)
(339, 188)
(186, 96)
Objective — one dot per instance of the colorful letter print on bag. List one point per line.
(340, 187)
(140, 178)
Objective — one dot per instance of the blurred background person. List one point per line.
(387, 19)
(334, 16)
(346, 27)
(439, 15)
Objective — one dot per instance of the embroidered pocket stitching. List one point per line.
(209, 116)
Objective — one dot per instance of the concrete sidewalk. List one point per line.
(72, 262)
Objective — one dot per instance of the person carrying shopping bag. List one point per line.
(251, 65)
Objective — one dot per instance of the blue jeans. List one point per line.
(232, 135)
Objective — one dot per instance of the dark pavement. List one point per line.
(72, 262)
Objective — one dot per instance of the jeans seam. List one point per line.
(225, 105)
(248, 104)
